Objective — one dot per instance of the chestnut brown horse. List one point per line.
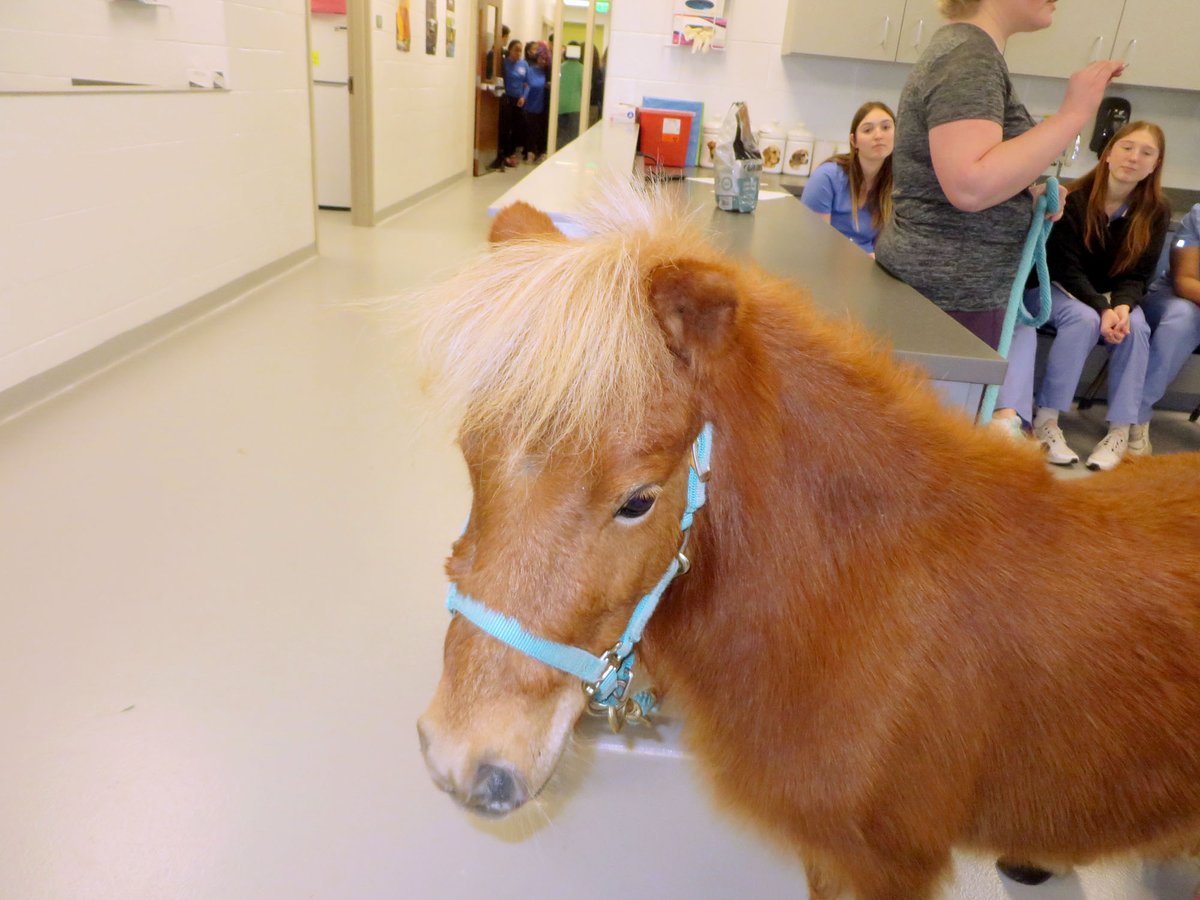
(900, 633)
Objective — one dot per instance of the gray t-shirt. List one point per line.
(959, 260)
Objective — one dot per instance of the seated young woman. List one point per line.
(1172, 310)
(1102, 256)
(853, 191)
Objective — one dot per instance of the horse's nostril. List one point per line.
(497, 791)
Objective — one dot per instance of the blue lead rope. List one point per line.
(605, 677)
(1033, 254)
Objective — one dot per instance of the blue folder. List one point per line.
(695, 106)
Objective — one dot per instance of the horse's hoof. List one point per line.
(1021, 873)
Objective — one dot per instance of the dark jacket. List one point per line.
(1084, 273)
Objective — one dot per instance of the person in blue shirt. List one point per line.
(537, 121)
(1172, 310)
(853, 191)
(512, 106)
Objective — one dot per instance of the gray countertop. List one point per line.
(786, 238)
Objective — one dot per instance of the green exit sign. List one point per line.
(602, 6)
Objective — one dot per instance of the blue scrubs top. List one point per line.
(1188, 235)
(828, 192)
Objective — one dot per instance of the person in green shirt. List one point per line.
(570, 81)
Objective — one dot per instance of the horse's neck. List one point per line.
(832, 471)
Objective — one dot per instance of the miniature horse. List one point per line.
(900, 634)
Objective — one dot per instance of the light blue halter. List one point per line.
(605, 678)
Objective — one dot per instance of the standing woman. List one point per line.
(853, 191)
(967, 152)
(537, 59)
(512, 109)
(1102, 257)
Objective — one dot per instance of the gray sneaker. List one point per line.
(1108, 452)
(1058, 452)
(1139, 440)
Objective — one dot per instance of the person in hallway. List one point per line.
(512, 107)
(1172, 310)
(570, 86)
(1102, 257)
(967, 152)
(489, 68)
(853, 191)
(537, 59)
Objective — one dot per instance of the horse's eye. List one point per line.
(637, 505)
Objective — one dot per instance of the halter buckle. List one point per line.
(702, 472)
(612, 666)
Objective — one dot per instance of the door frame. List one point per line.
(362, 120)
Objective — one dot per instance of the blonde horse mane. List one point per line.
(548, 339)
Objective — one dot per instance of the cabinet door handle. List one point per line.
(1097, 47)
(887, 27)
(1129, 51)
(920, 34)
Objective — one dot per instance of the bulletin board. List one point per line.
(113, 45)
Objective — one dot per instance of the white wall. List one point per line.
(118, 208)
(823, 91)
(524, 17)
(423, 105)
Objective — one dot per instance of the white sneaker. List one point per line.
(1108, 452)
(1139, 440)
(1058, 452)
(1009, 426)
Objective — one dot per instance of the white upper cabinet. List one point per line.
(1081, 33)
(865, 29)
(921, 20)
(1157, 38)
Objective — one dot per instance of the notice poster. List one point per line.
(449, 35)
(431, 27)
(403, 29)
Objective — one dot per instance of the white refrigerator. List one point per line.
(331, 109)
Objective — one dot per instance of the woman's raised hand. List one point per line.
(1086, 87)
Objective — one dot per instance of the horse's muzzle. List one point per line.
(496, 791)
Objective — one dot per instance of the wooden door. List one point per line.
(489, 73)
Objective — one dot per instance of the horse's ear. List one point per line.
(520, 220)
(695, 304)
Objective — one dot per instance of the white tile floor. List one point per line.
(220, 615)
